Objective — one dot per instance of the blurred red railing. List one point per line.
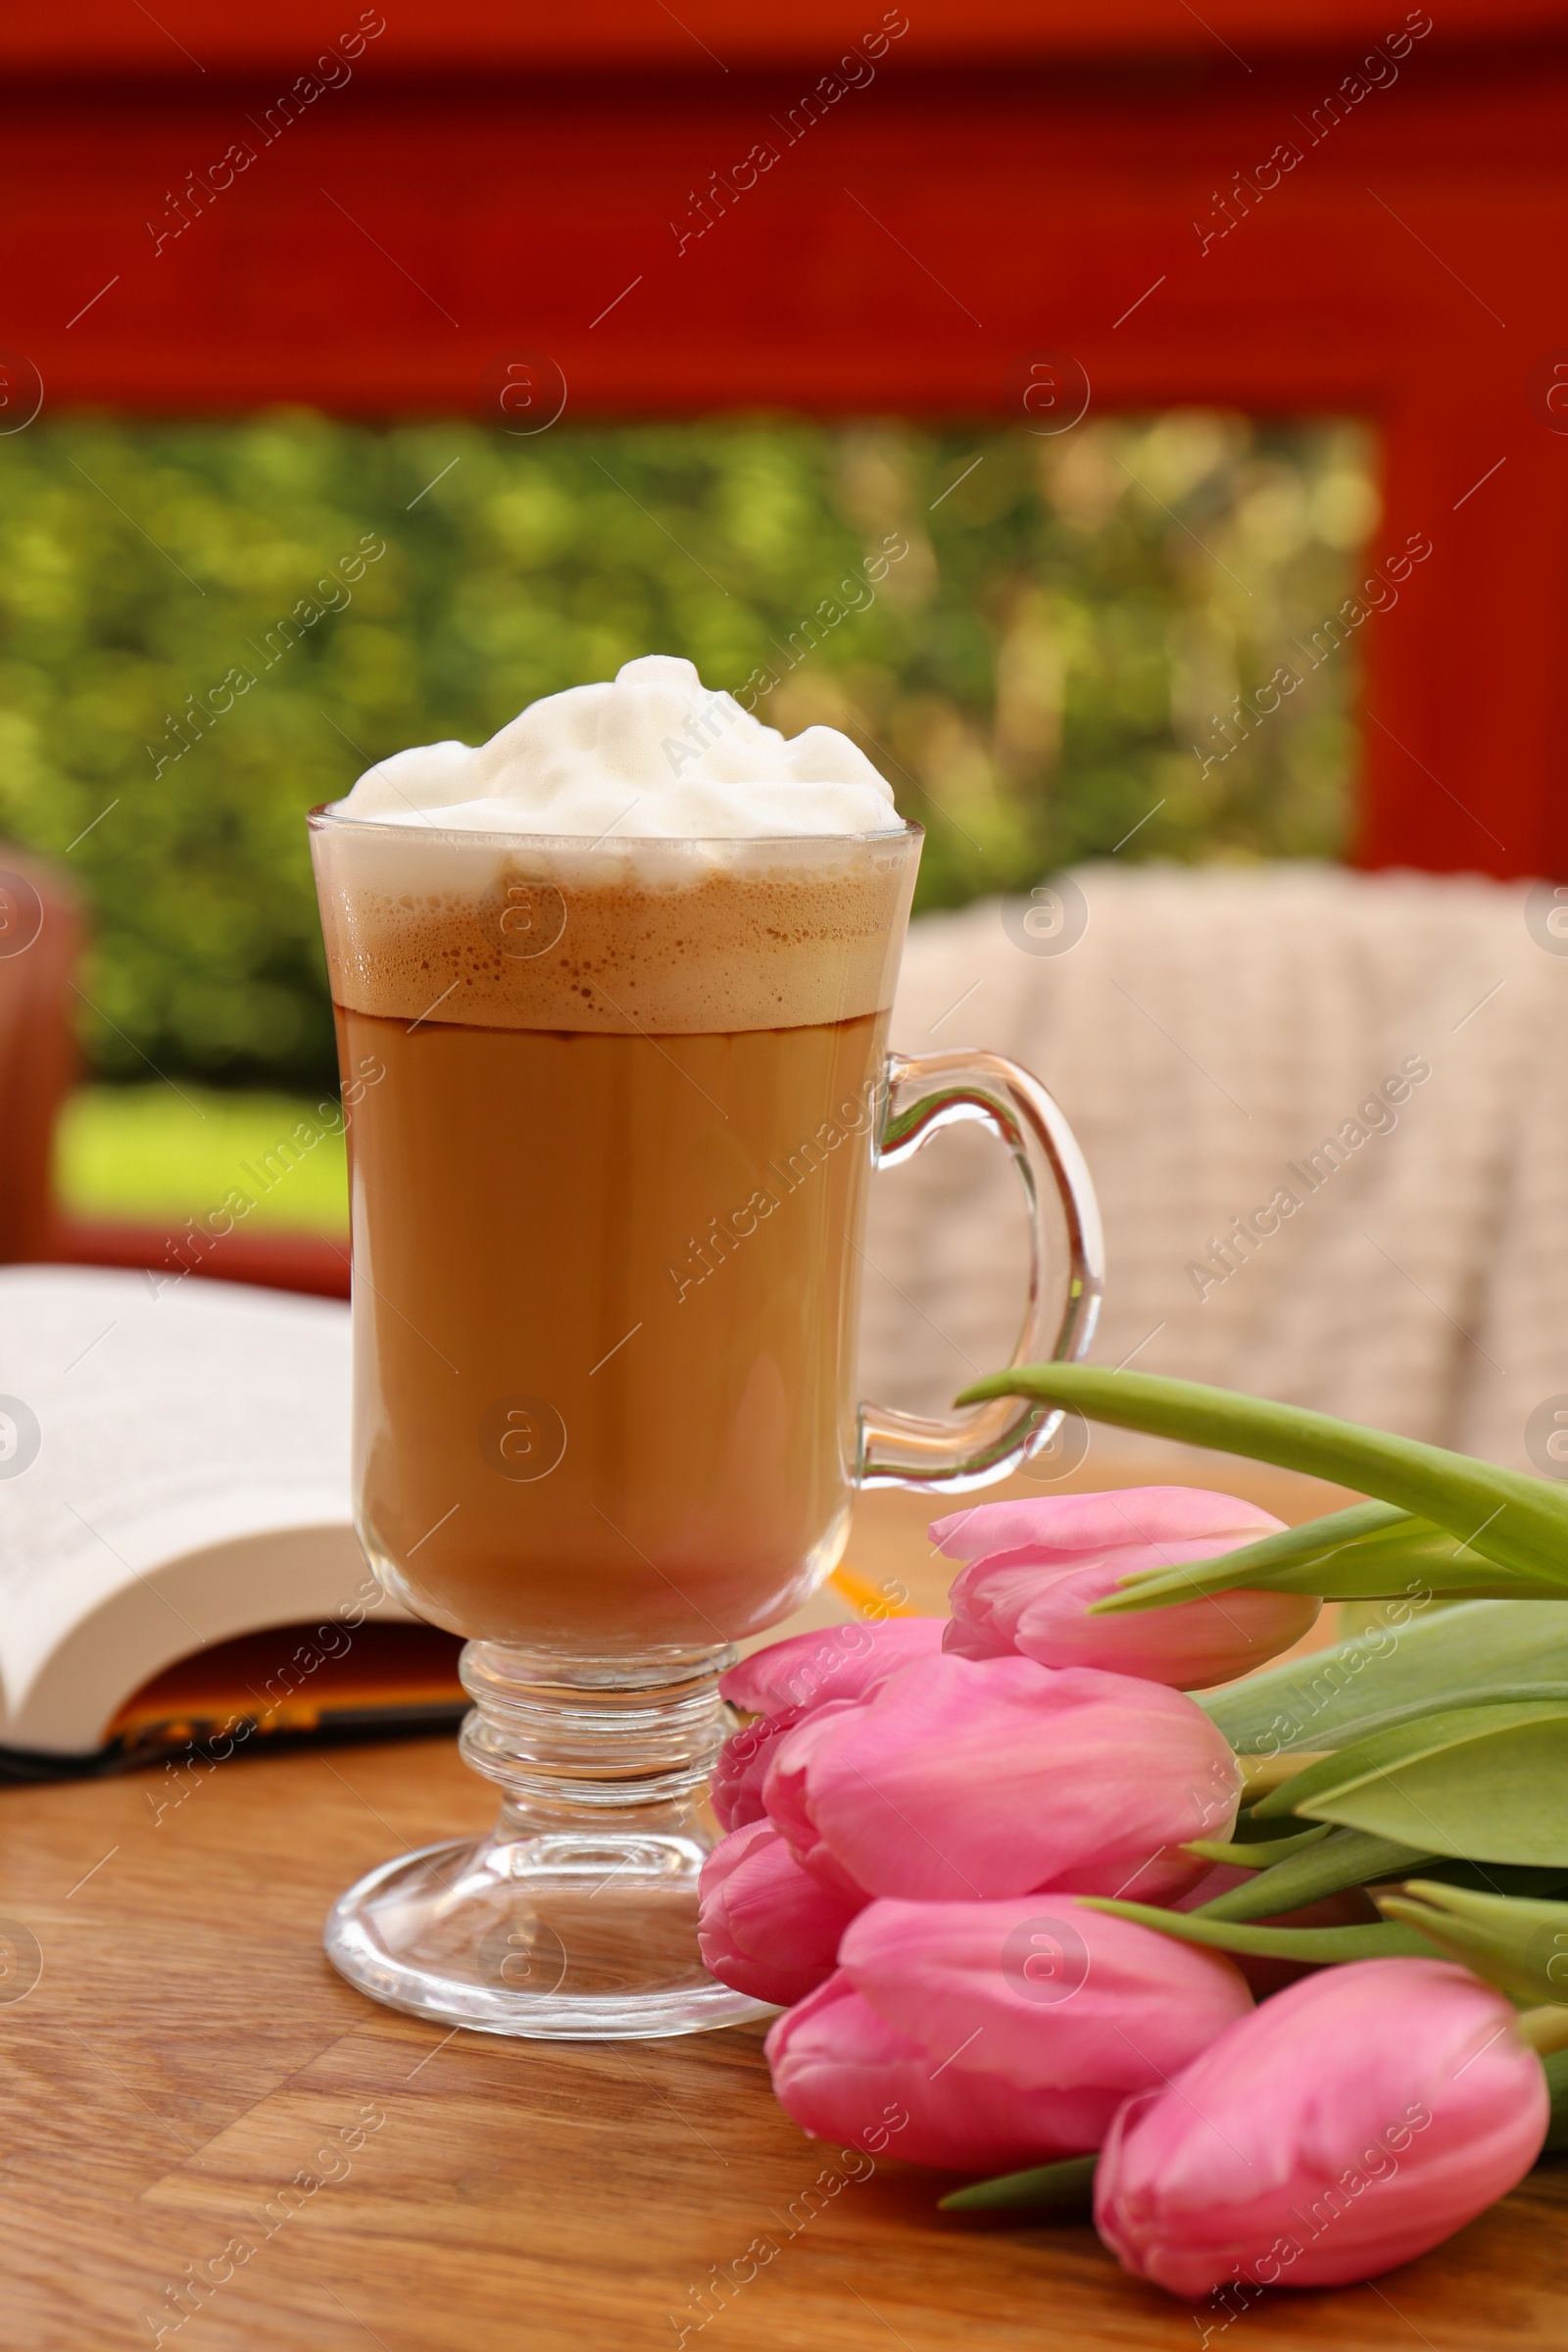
(279, 1261)
(992, 182)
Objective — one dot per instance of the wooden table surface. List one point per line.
(189, 2091)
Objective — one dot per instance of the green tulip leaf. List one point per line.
(1256, 1853)
(1422, 1734)
(1377, 1940)
(1519, 1522)
(1067, 2189)
(1275, 1563)
(1482, 1652)
(1518, 1944)
(1344, 1858)
(1249, 1832)
(1493, 1788)
(1371, 1552)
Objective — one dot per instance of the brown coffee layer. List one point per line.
(509, 939)
(605, 1310)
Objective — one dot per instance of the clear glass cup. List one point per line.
(614, 1109)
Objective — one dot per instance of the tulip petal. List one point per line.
(764, 1925)
(840, 1662)
(1045, 1992)
(1038, 1569)
(785, 1795)
(845, 2074)
(1010, 1601)
(741, 1765)
(1347, 2125)
(1094, 1524)
(961, 1780)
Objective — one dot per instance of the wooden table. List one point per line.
(187, 2066)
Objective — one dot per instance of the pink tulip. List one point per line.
(960, 1779)
(1036, 1567)
(1050, 1995)
(1347, 2125)
(1008, 2034)
(841, 1662)
(740, 1768)
(764, 1925)
(845, 2074)
(783, 1681)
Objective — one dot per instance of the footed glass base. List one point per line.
(576, 1919)
(556, 1938)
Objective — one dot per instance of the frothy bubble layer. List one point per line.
(653, 756)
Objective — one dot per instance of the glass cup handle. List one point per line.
(939, 1090)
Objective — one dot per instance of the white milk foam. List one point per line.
(636, 856)
(653, 757)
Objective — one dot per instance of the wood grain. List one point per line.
(187, 2054)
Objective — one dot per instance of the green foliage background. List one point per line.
(1072, 616)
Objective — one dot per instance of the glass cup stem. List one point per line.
(595, 1746)
(577, 1915)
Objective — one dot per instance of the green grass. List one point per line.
(162, 1154)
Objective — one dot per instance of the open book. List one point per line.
(178, 1562)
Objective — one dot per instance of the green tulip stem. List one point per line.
(1546, 2030)
(1261, 1853)
(1066, 2187)
(1386, 1939)
(1519, 1522)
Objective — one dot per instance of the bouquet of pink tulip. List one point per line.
(1272, 1976)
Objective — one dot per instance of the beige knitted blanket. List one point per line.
(1327, 1117)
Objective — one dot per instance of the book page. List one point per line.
(146, 1418)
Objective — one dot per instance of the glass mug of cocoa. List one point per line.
(608, 1204)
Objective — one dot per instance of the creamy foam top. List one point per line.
(639, 856)
(653, 756)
